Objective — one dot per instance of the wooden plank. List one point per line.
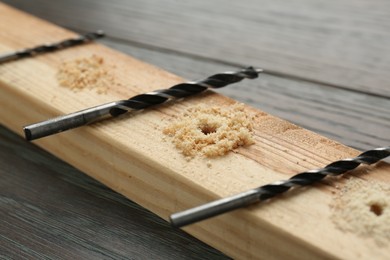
(344, 43)
(132, 164)
(255, 93)
(358, 120)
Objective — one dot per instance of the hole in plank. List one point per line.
(376, 209)
(208, 129)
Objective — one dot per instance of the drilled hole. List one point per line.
(376, 209)
(208, 129)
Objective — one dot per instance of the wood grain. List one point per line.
(343, 43)
(182, 63)
(155, 175)
(355, 119)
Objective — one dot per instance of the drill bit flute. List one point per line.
(271, 190)
(138, 102)
(30, 52)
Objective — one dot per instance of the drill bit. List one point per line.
(142, 101)
(268, 191)
(30, 52)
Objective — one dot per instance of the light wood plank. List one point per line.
(344, 43)
(355, 119)
(154, 174)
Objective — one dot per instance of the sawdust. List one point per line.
(211, 131)
(363, 207)
(86, 73)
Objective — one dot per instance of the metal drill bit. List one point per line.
(138, 102)
(270, 190)
(51, 47)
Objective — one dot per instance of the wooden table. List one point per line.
(327, 65)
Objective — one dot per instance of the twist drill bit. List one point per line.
(271, 190)
(138, 102)
(30, 52)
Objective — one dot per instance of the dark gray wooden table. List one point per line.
(328, 70)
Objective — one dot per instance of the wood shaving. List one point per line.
(86, 73)
(211, 131)
(363, 207)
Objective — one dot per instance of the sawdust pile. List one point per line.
(211, 131)
(363, 208)
(86, 73)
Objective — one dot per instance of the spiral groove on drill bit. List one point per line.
(138, 102)
(50, 47)
(183, 90)
(271, 190)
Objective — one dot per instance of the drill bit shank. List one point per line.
(51, 47)
(271, 190)
(138, 102)
(66, 122)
